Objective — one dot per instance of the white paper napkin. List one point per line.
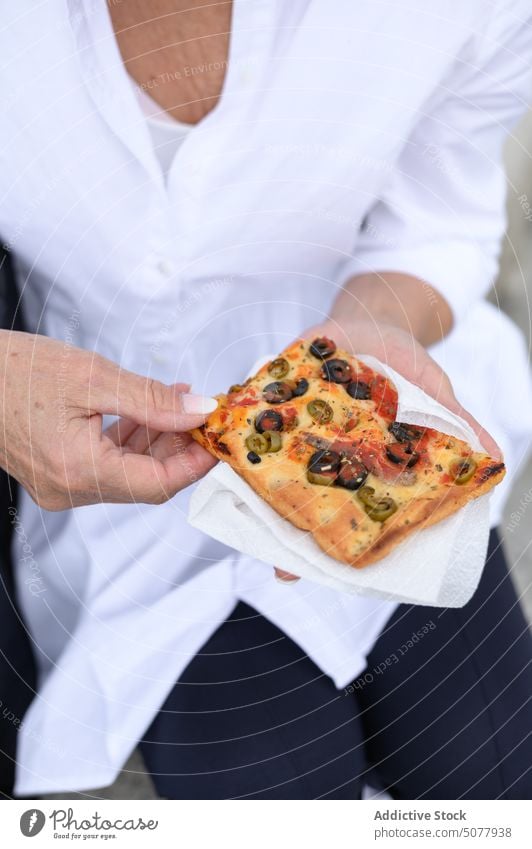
(439, 566)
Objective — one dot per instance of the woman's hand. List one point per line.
(53, 399)
(400, 350)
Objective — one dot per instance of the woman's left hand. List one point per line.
(402, 352)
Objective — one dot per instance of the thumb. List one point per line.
(149, 402)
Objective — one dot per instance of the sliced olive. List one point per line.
(324, 461)
(383, 508)
(257, 443)
(253, 458)
(378, 508)
(300, 387)
(402, 453)
(268, 420)
(405, 432)
(367, 495)
(463, 470)
(277, 393)
(339, 371)
(352, 474)
(322, 348)
(274, 440)
(279, 368)
(322, 479)
(359, 389)
(320, 411)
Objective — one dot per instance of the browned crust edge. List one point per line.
(199, 435)
(420, 513)
(331, 536)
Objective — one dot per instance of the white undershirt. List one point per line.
(167, 133)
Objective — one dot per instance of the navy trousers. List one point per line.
(444, 714)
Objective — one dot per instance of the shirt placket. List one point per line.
(182, 204)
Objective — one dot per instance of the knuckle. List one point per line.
(48, 500)
(96, 372)
(75, 482)
(157, 394)
(160, 496)
(70, 479)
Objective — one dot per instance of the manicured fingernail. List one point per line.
(284, 577)
(198, 405)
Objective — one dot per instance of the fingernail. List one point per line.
(284, 578)
(198, 405)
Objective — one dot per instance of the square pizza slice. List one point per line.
(315, 434)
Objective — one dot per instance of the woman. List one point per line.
(186, 188)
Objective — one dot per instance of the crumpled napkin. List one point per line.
(439, 566)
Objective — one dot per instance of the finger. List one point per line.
(284, 577)
(168, 444)
(142, 478)
(434, 381)
(122, 430)
(146, 401)
(140, 441)
(188, 462)
(484, 437)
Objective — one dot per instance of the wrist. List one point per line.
(394, 300)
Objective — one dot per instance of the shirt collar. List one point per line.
(107, 81)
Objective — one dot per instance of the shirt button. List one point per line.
(165, 267)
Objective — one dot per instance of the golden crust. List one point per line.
(199, 435)
(335, 535)
(333, 515)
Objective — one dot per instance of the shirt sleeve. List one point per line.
(441, 216)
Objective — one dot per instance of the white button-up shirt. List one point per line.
(348, 137)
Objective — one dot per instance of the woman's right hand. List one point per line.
(51, 440)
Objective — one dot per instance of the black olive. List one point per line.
(324, 461)
(352, 475)
(322, 348)
(403, 453)
(405, 432)
(277, 393)
(359, 389)
(253, 458)
(268, 420)
(300, 387)
(339, 371)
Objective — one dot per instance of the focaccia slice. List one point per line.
(314, 433)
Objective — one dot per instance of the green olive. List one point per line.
(384, 507)
(463, 470)
(321, 479)
(378, 508)
(274, 440)
(257, 443)
(279, 368)
(367, 495)
(320, 411)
